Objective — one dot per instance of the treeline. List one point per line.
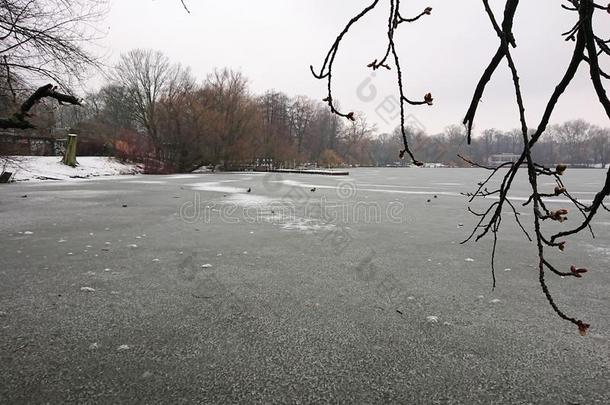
(156, 111)
(152, 107)
(574, 142)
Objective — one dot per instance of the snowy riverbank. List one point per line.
(38, 168)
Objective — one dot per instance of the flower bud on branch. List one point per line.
(577, 272)
(559, 215)
(583, 328)
(429, 99)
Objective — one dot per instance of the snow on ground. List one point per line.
(36, 168)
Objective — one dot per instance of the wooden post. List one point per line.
(5, 177)
(70, 153)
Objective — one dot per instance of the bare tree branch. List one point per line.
(19, 121)
(589, 48)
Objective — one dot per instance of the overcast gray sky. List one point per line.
(273, 42)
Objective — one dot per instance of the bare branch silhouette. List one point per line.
(588, 48)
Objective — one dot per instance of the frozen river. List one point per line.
(355, 289)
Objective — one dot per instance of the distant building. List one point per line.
(501, 158)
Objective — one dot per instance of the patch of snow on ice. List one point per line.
(306, 225)
(217, 187)
(294, 183)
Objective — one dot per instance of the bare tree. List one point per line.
(144, 75)
(587, 50)
(275, 122)
(43, 40)
(234, 115)
(573, 137)
(181, 131)
(324, 133)
(355, 137)
(600, 143)
(301, 114)
(111, 106)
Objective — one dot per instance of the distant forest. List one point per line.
(155, 111)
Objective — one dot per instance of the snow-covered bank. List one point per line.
(37, 168)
